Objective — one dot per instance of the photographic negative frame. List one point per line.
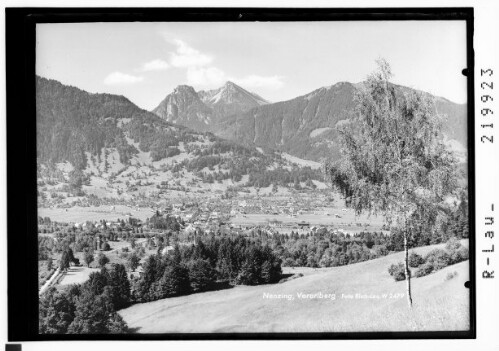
(21, 93)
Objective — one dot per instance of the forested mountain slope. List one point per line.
(306, 126)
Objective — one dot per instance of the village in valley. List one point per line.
(302, 213)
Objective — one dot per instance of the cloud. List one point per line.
(155, 65)
(201, 73)
(186, 56)
(215, 77)
(118, 78)
(255, 81)
(205, 76)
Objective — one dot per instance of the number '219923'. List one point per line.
(487, 86)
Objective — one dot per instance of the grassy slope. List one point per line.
(439, 304)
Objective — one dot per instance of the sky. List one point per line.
(277, 60)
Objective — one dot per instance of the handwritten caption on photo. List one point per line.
(330, 296)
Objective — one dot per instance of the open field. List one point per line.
(348, 218)
(77, 275)
(93, 213)
(301, 162)
(298, 270)
(337, 216)
(439, 304)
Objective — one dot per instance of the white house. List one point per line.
(167, 250)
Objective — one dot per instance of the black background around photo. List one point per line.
(21, 150)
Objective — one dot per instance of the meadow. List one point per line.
(79, 274)
(366, 298)
(346, 219)
(77, 214)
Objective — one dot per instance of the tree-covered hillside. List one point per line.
(306, 126)
(101, 141)
(71, 122)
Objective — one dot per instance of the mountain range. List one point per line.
(203, 109)
(305, 126)
(229, 135)
(116, 149)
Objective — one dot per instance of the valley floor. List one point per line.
(77, 214)
(366, 298)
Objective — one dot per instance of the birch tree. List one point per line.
(394, 161)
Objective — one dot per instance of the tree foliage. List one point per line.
(102, 259)
(88, 256)
(120, 284)
(56, 312)
(133, 261)
(415, 260)
(394, 161)
(198, 267)
(201, 274)
(397, 271)
(89, 308)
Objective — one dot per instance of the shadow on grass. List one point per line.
(217, 286)
(289, 276)
(134, 330)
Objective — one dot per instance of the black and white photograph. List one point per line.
(252, 177)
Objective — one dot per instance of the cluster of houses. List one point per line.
(213, 213)
(109, 224)
(216, 212)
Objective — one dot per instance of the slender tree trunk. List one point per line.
(407, 271)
